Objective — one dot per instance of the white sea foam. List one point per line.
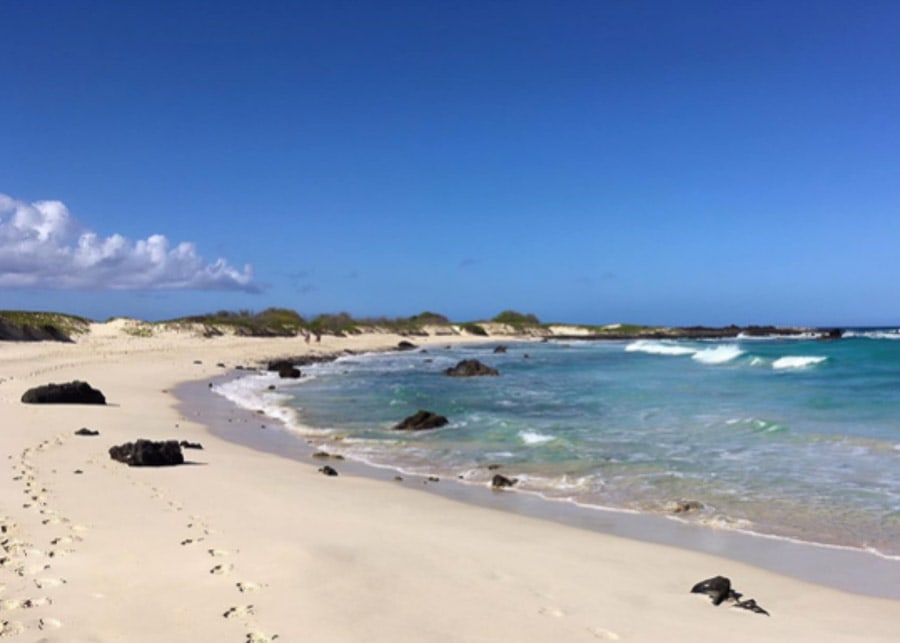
(718, 355)
(658, 348)
(253, 393)
(796, 361)
(874, 334)
(534, 438)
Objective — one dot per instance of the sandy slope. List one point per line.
(244, 544)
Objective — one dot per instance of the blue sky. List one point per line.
(600, 161)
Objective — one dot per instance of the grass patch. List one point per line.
(272, 322)
(32, 326)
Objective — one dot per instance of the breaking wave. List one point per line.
(796, 361)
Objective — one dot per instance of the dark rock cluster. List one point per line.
(148, 453)
(500, 481)
(421, 421)
(471, 368)
(284, 368)
(70, 393)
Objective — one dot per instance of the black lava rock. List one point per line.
(500, 481)
(70, 393)
(147, 453)
(471, 368)
(421, 421)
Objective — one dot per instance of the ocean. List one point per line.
(795, 438)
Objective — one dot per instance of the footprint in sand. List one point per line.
(603, 633)
(49, 624)
(11, 628)
(220, 570)
(239, 612)
(246, 586)
(44, 583)
(259, 637)
(31, 570)
(216, 553)
(552, 611)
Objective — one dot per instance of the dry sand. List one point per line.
(244, 545)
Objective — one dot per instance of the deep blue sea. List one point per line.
(796, 438)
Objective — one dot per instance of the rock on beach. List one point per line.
(70, 393)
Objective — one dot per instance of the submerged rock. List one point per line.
(421, 421)
(686, 506)
(70, 393)
(471, 368)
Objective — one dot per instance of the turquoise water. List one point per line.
(791, 438)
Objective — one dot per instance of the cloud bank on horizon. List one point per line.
(43, 246)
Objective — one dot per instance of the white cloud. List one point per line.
(43, 246)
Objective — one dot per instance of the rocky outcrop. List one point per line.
(406, 346)
(328, 471)
(421, 421)
(471, 368)
(190, 445)
(86, 432)
(147, 453)
(70, 393)
(285, 369)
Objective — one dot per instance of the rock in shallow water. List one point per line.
(470, 368)
(422, 420)
(500, 481)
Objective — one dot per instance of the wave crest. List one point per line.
(718, 355)
(796, 361)
(658, 348)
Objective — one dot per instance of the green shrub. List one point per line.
(514, 318)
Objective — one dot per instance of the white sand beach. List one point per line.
(242, 545)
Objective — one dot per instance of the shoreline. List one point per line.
(243, 546)
(850, 569)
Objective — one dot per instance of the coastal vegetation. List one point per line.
(17, 325)
(271, 322)
(517, 319)
(285, 322)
